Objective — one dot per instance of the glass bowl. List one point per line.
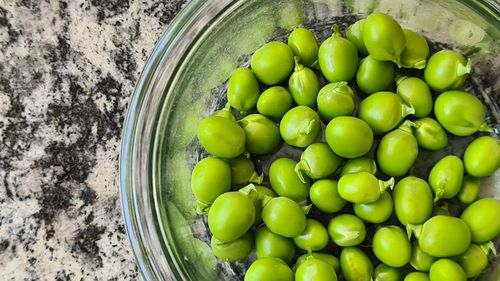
(184, 80)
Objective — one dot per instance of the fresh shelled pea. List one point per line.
(391, 246)
(325, 196)
(338, 58)
(262, 193)
(348, 136)
(398, 150)
(285, 182)
(304, 45)
(482, 156)
(362, 187)
(262, 135)
(225, 112)
(210, 178)
(469, 191)
(221, 137)
(270, 244)
(303, 85)
(412, 200)
(318, 161)
(442, 236)
(355, 264)
(272, 63)
(231, 215)
(446, 270)
(474, 260)
(429, 134)
(330, 259)
(335, 99)
(383, 37)
(417, 276)
(375, 212)
(460, 113)
(415, 92)
(242, 171)
(384, 272)
(284, 216)
(446, 70)
(383, 111)
(374, 75)
(235, 250)
(446, 177)
(269, 269)
(314, 237)
(353, 33)
(300, 126)
(360, 164)
(420, 260)
(243, 90)
(315, 269)
(416, 50)
(274, 102)
(346, 230)
(482, 219)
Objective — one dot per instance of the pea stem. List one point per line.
(336, 31)
(383, 185)
(298, 65)
(407, 127)
(256, 178)
(307, 126)
(487, 247)
(464, 69)
(248, 190)
(416, 230)
(420, 64)
(202, 207)
(407, 110)
(485, 128)
(300, 169)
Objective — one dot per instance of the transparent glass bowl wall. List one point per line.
(181, 84)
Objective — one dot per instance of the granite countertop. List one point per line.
(67, 72)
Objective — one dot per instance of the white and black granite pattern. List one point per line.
(67, 71)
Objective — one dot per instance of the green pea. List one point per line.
(243, 90)
(262, 192)
(317, 161)
(274, 102)
(412, 200)
(416, 51)
(335, 99)
(235, 250)
(474, 260)
(460, 113)
(348, 136)
(446, 177)
(330, 259)
(375, 212)
(391, 246)
(355, 264)
(210, 178)
(420, 260)
(446, 270)
(347, 230)
(284, 216)
(269, 269)
(242, 171)
(383, 37)
(374, 75)
(285, 182)
(314, 237)
(262, 135)
(482, 156)
(446, 70)
(383, 111)
(304, 45)
(417, 276)
(300, 126)
(482, 219)
(415, 92)
(303, 85)
(272, 63)
(338, 58)
(230, 216)
(270, 244)
(384, 272)
(225, 112)
(442, 236)
(353, 33)
(360, 164)
(362, 187)
(315, 270)
(397, 151)
(469, 191)
(221, 137)
(429, 134)
(325, 196)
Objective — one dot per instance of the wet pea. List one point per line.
(346, 230)
(274, 102)
(474, 260)
(210, 178)
(233, 251)
(269, 269)
(335, 99)
(243, 90)
(330, 259)
(317, 161)
(304, 45)
(383, 37)
(353, 33)
(314, 237)
(374, 75)
(420, 260)
(284, 216)
(300, 126)
(446, 177)
(303, 85)
(221, 137)
(429, 134)
(242, 171)
(446, 270)
(416, 50)
(384, 272)
(262, 135)
(270, 244)
(469, 190)
(272, 63)
(355, 265)
(482, 156)
(446, 70)
(391, 246)
(285, 181)
(412, 200)
(325, 196)
(362, 187)
(348, 136)
(375, 212)
(361, 164)
(315, 270)
(415, 92)
(482, 219)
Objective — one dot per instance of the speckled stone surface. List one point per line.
(67, 71)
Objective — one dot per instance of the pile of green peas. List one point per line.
(356, 163)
